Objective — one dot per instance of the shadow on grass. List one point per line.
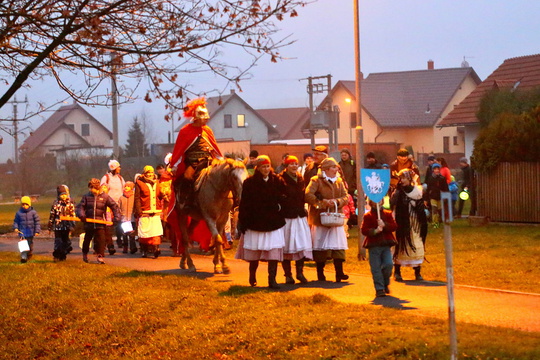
(423, 283)
(392, 302)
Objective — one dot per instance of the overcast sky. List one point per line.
(396, 35)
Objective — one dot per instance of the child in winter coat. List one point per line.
(126, 202)
(26, 223)
(62, 206)
(93, 206)
(379, 233)
(348, 210)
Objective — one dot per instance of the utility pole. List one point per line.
(318, 88)
(116, 149)
(16, 125)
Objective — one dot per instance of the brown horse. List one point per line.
(217, 188)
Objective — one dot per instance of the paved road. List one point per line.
(473, 305)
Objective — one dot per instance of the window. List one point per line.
(71, 126)
(446, 144)
(241, 120)
(227, 121)
(353, 120)
(85, 129)
(455, 140)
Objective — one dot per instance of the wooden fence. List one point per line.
(510, 193)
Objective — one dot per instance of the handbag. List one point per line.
(331, 219)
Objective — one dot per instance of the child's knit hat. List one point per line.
(62, 189)
(26, 200)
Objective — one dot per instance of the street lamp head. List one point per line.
(348, 100)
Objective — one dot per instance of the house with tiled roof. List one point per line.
(232, 119)
(70, 127)
(521, 73)
(289, 122)
(405, 108)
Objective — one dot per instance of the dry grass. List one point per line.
(71, 310)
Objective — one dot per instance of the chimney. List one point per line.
(430, 65)
(232, 91)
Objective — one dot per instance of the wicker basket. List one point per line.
(331, 219)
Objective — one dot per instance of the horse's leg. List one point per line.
(186, 257)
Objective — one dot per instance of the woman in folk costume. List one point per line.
(411, 224)
(261, 222)
(298, 245)
(323, 193)
(147, 211)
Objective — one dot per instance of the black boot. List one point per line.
(320, 271)
(288, 271)
(272, 272)
(338, 266)
(111, 248)
(144, 250)
(300, 271)
(417, 274)
(253, 265)
(157, 252)
(397, 273)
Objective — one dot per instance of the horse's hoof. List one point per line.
(218, 269)
(183, 265)
(226, 269)
(192, 269)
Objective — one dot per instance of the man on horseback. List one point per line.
(194, 150)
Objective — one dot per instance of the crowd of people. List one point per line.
(280, 214)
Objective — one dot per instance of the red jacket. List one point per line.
(369, 225)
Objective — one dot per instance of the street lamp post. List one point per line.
(349, 101)
(359, 131)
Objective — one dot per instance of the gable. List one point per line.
(287, 121)
(72, 114)
(520, 72)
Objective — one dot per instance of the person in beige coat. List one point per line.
(324, 192)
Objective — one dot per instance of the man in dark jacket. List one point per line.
(94, 206)
(319, 154)
(435, 185)
(371, 161)
(349, 170)
(467, 185)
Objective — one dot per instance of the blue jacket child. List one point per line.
(27, 221)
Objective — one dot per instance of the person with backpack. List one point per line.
(116, 184)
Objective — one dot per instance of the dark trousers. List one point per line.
(62, 243)
(96, 233)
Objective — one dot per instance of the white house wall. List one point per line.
(255, 130)
(98, 135)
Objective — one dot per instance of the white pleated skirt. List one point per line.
(329, 238)
(261, 245)
(298, 243)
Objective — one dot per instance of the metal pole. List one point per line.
(359, 132)
(446, 203)
(116, 148)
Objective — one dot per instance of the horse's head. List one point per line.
(238, 173)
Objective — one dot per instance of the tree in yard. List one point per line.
(510, 129)
(136, 143)
(142, 40)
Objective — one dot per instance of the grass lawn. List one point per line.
(82, 312)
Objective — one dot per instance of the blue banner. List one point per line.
(375, 183)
